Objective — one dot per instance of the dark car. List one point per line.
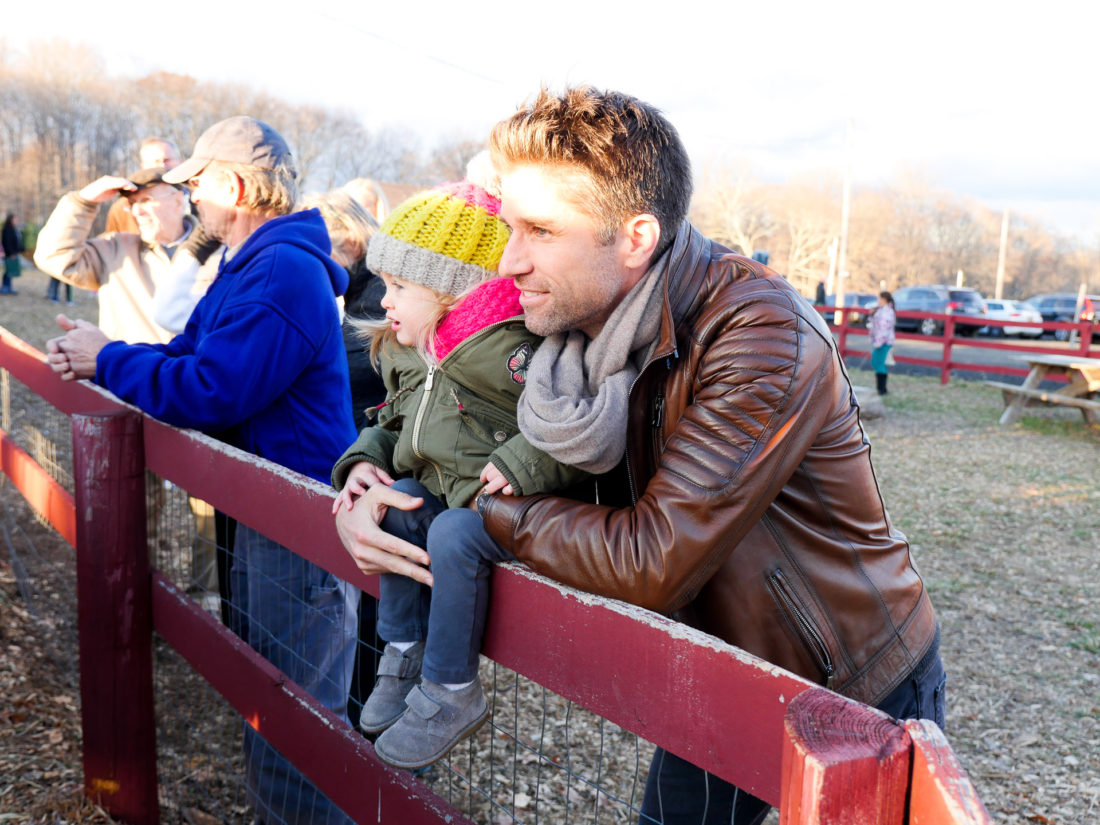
(1062, 306)
(867, 300)
(942, 300)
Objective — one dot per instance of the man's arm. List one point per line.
(529, 470)
(232, 372)
(747, 429)
(64, 249)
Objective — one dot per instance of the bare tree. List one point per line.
(732, 208)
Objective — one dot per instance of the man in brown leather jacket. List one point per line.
(736, 489)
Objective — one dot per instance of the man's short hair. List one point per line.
(270, 191)
(630, 154)
(155, 141)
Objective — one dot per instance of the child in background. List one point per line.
(882, 324)
(453, 353)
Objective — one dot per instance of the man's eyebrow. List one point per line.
(535, 220)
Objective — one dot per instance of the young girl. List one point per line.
(453, 352)
(882, 338)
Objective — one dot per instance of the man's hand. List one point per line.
(362, 477)
(74, 354)
(105, 188)
(494, 481)
(373, 549)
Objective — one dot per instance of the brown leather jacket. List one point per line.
(746, 505)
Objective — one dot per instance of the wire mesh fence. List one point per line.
(541, 759)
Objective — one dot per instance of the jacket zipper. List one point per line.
(429, 380)
(777, 583)
(419, 419)
(658, 414)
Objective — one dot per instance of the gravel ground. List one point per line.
(1003, 522)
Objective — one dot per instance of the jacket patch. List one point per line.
(518, 361)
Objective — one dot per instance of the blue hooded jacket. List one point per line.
(261, 361)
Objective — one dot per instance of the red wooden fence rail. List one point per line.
(679, 688)
(945, 364)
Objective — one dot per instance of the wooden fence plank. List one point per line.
(618, 660)
(339, 761)
(48, 498)
(941, 791)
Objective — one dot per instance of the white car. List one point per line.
(1013, 311)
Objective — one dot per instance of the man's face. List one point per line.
(158, 154)
(215, 201)
(566, 277)
(158, 211)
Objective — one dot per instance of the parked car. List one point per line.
(1001, 310)
(942, 300)
(866, 300)
(1062, 306)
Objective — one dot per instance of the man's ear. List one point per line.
(641, 234)
(236, 187)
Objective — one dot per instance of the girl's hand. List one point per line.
(494, 481)
(362, 477)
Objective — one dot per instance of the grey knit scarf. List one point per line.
(574, 406)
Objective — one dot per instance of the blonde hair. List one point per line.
(370, 196)
(271, 191)
(378, 334)
(630, 157)
(346, 220)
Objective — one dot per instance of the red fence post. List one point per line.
(114, 614)
(948, 341)
(843, 763)
(941, 791)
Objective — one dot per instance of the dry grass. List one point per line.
(1004, 523)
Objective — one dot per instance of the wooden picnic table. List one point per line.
(1080, 392)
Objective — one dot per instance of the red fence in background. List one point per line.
(818, 756)
(851, 321)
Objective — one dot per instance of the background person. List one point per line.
(350, 227)
(260, 364)
(153, 153)
(881, 333)
(125, 269)
(11, 240)
(370, 196)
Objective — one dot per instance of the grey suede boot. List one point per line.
(437, 720)
(398, 673)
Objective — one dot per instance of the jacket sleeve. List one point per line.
(763, 386)
(236, 369)
(375, 445)
(64, 250)
(530, 470)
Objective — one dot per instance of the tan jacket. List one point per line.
(746, 505)
(125, 270)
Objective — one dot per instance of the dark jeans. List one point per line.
(53, 290)
(678, 793)
(450, 615)
(301, 618)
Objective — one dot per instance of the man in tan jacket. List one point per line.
(125, 268)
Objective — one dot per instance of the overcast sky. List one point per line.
(984, 99)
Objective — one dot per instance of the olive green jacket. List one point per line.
(441, 423)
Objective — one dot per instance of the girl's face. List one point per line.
(409, 308)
